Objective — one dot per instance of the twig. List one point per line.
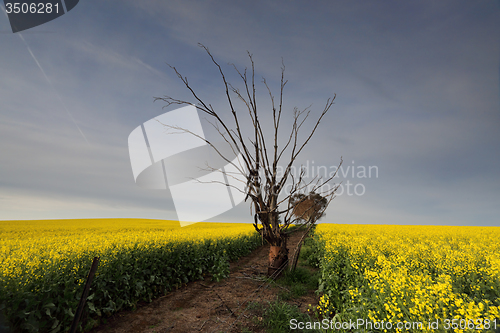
(227, 307)
(203, 325)
(204, 285)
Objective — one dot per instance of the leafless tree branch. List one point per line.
(262, 156)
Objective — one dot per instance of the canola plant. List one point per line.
(409, 278)
(44, 264)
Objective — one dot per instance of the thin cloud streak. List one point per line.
(53, 89)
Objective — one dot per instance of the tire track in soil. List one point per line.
(207, 306)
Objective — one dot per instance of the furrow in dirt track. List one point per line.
(206, 306)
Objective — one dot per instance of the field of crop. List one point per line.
(446, 278)
(44, 264)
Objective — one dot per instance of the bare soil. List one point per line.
(207, 306)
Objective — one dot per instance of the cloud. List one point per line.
(416, 83)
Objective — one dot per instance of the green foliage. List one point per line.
(418, 274)
(47, 302)
(298, 283)
(278, 314)
(312, 250)
(220, 269)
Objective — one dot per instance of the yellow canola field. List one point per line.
(27, 246)
(446, 278)
(44, 264)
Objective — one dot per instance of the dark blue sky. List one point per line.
(417, 87)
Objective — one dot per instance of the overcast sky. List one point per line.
(417, 87)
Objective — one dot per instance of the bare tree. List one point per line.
(263, 157)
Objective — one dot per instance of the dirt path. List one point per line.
(206, 306)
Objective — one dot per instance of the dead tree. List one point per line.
(263, 155)
(307, 209)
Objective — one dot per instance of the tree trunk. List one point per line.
(295, 257)
(296, 253)
(278, 260)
